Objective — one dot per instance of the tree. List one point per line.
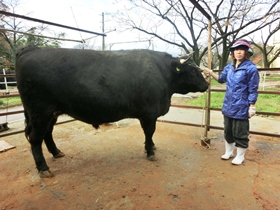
(11, 40)
(239, 20)
(268, 52)
(34, 37)
(167, 21)
(179, 23)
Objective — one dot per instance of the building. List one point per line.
(276, 43)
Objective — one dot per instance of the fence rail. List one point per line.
(208, 125)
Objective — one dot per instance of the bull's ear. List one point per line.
(176, 66)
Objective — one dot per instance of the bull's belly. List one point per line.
(96, 120)
(101, 116)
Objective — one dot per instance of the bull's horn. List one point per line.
(183, 60)
(186, 56)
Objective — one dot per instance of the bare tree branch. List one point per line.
(179, 23)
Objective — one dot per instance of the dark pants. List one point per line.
(236, 131)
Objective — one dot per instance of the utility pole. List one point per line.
(103, 38)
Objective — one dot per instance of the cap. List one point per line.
(239, 43)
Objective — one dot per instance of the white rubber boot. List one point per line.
(239, 159)
(229, 151)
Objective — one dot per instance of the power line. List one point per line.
(76, 22)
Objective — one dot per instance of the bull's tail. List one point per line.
(28, 127)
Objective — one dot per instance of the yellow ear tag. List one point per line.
(177, 68)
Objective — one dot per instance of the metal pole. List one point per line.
(5, 81)
(47, 22)
(206, 141)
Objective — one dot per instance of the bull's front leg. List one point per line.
(149, 127)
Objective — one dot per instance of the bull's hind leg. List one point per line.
(149, 127)
(50, 142)
(37, 128)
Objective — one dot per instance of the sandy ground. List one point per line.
(108, 169)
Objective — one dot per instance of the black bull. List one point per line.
(98, 87)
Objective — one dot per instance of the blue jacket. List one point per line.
(241, 89)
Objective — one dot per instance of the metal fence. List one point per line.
(207, 125)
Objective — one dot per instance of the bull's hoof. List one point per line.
(46, 174)
(59, 155)
(152, 158)
(153, 148)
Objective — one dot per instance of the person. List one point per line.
(242, 80)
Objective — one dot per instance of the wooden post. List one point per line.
(206, 141)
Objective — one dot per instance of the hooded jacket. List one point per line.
(241, 89)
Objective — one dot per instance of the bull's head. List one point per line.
(188, 76)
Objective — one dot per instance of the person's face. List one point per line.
(239, 53)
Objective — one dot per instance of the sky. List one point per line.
(87, 15)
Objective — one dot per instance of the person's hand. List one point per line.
(252, 111)
(207, 71)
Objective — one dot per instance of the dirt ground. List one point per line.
(108, 169)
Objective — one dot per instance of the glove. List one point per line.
(207, 72)
(252, 111)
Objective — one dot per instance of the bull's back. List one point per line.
(88, 65)
(91, 81)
